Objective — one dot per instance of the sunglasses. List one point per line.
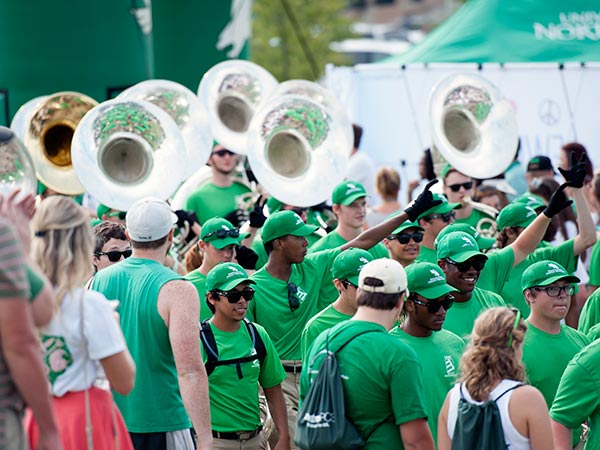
(555, 291)
(349, 283)
(515, 325)
(120, 214)
(404, 238)
(446, 217)
(115, 255)
(434, 306)
(221, 234)
(477, 264)
(456, 187)
(223, 152)
(235, 296)
(292, 299)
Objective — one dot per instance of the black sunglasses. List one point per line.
(235, 296)
(115, 255)
(446, 217)
(223, 152)
(477, 264)
(404, 238)
(349, 283)
(221, 234)
(292, 299)
(456, 187)
(434, 306)
(555, 291)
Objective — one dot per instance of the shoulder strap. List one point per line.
(508, 390)
(350, 340)
(257, 341)
(210, 346)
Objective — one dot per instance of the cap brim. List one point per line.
(304, 230)
(222, 243)
(485, 243)
(436, 291)
(233, 283)
(463, 256)
(349, 200)
(406, 226)
(568, 278)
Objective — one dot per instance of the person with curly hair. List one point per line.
(490, 367)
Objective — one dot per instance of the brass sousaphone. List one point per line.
(46, 125)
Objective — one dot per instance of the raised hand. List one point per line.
(422, 203)
(558, 201)
(575, 174)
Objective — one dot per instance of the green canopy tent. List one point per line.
(513, 31)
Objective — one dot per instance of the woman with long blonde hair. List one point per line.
(82, 346)
(491, 369)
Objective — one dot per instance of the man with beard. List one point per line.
(549, 345)
(438, 351)
(462, 261)
(220, 196)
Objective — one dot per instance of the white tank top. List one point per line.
(514, 439)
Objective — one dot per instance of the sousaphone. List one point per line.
(299, 143)
(124, 150)
(47, 125)
(186, 110)
(473, 126)
(16, 166)
(231, 91)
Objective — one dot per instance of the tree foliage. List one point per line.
(281, 27)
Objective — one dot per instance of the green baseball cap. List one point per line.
(442, 208)
(283, 223)
(405, 225)
(458, 246)
(446, 170)
(274, 205)
(483, 242)
(348, 264)
(515, 215)
(225, 276)
(529, 199)
(346, 192)
(220, 233)
(543, 273)
(428, 280)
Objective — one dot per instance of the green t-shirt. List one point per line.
(36, 283)
(199, 281)
(595, 266)
(381, 377)
(562, 254)
(461, 317)
(333, 240)
(545, 357)
(590, 313)
(439, 356)
(476, 216)
(210, 201)
(578, 394)
(497, 270)
(271, 307)
(594, 332)
(319, 323)
(234, 401)
(427, 255)
(154, 405)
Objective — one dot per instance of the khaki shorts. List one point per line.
(12, 434)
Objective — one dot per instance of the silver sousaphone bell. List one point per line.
(472, 125)
(46, 125)
(231, 91)
(299, 143)
(16, 165)
(124, 150)
(186, 110)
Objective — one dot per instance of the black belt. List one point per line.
(237, 435)
(297, 368)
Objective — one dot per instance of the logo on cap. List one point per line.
(468, 242)
(553, 268)
(298, 220)
(233, 271)
(436, 277)
(350, 188)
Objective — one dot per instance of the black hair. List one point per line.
(358, 132)
(106, 231)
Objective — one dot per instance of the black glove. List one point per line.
(185, 216)
(257, 217)
(557, 202)
(237, 217)
(424, 202)
(246, 257)
(575, 174)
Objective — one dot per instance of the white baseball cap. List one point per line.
(388, 271)
(149, 219)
